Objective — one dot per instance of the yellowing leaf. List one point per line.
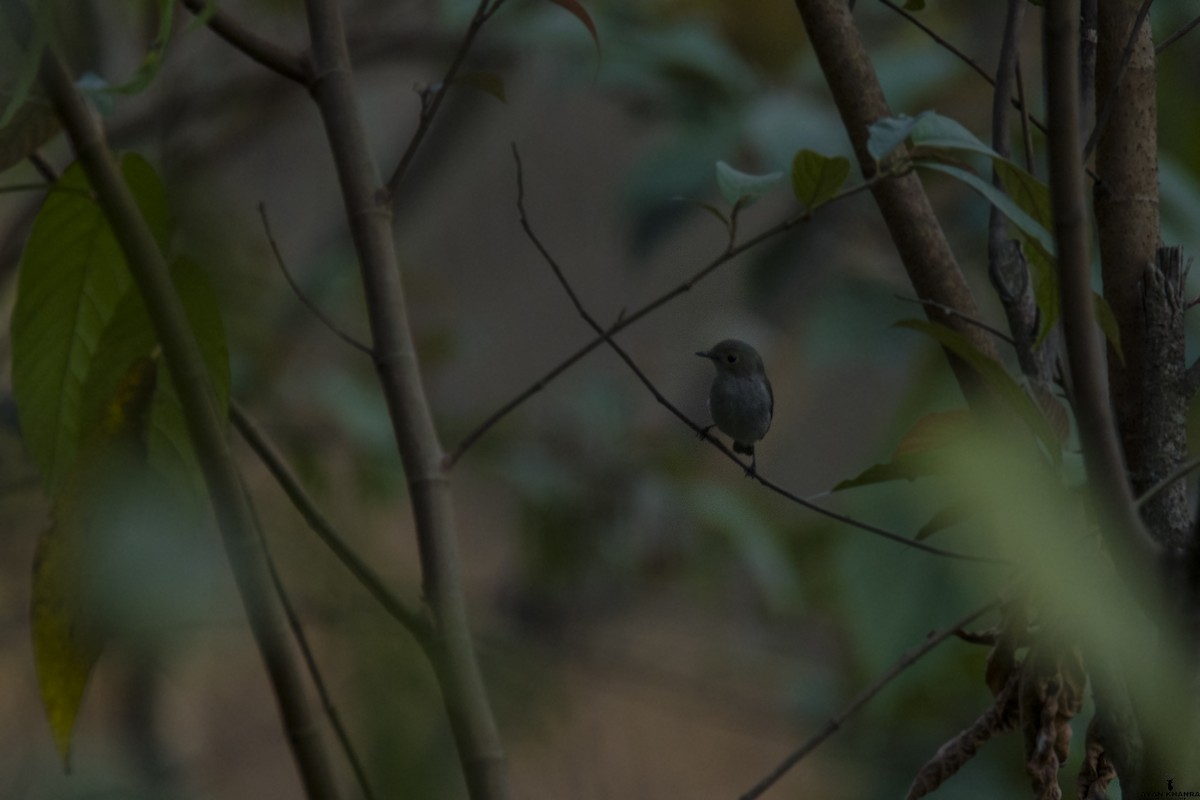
(67, 637)
(816, 177)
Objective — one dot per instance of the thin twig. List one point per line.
(44, 168)
(312, 307)
(954, 312)
(314, 671)
(966, 59)
(1182, 471)
(833, 725)
(1114, 90)
(1176, 36)
(606, 337)
(404, 613)
(1026, 132)
(626, 320)
(293, 66)
(432, 97)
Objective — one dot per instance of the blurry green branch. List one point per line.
(831, 727)
(731, 251)
(606, 337)
(205, 427)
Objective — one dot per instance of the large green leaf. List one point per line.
(997, 378)
(130, 336)
(72, 276)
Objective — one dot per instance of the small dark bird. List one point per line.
(740, 401)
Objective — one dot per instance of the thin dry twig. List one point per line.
(312, 307)
(1176, 36)
(831, 727)
(606, 337)
(954, 312)
(731, 251)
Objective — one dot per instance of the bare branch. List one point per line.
(954, 312)
(312, 307)
(831, 727)
(606, 337)
(731, 252)
(293, 66)
(1176, 36)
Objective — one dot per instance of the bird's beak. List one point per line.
(705, 354)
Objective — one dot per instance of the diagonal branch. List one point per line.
(731, 252)
(606, 337)
(865, 696)
(1176, 36)
(293, 66)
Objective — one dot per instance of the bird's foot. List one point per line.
(703, 434)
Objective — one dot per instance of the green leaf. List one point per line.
(27, 71)
(743, 189)
(28, 128)
(889, 133)
(72, 276)
(914, 5)
(944, 518)
(490, 82)
(816, 178)
(130, 336)
(915, 455)
(1043, 271)
(152, 62)
(67, 631)
(931, 130)
(1107, 321)
(994, 374)
(1007, 206)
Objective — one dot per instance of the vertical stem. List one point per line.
(205, 426)
(369, 212)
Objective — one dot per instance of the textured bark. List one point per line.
(1126, 205)
(911, 222)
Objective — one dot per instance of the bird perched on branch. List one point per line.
(740, 401)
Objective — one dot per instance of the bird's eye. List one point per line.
(731, 358)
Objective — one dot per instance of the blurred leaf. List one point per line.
(914, 5)
(889, 133)
(994, 374)
(911, 458)
(816, 178)
(931, 130)
(490, 82)
(576, 9)
(73, 274)
(23, 80)
(945, 517)
(130, 335)
(29, 127)
(67, 637)
(741, 188)
(753, 540)
(152, 61)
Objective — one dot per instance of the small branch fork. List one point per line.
(606, 337)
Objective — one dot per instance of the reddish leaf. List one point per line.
(580, 13)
